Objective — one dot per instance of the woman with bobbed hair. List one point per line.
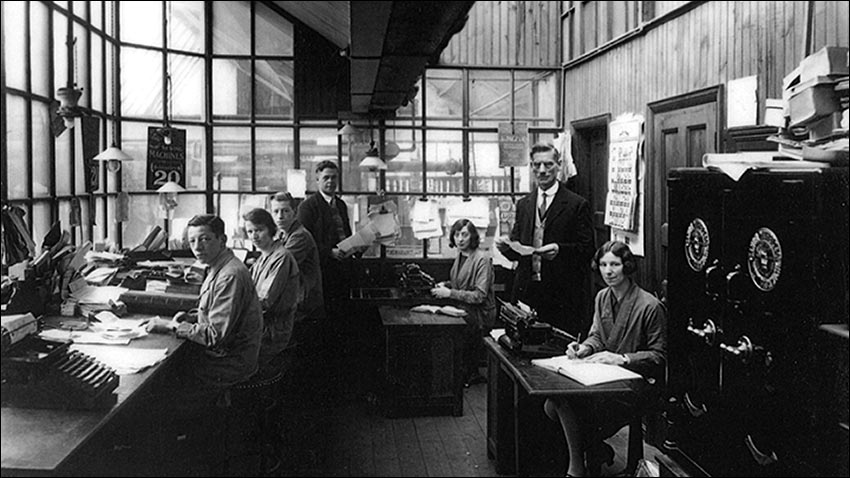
(629, 329)
(278, 282)
(470, 283)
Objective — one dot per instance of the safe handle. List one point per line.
(707, 332)
(743, 349)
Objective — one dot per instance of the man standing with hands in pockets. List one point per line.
(556, 222)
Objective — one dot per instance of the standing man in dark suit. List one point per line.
(326, 217)
(557, 223)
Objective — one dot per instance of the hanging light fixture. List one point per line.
(348, 130)
(113, 157)
(373, 161)
(168, 202)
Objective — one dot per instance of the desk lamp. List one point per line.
(168, 202)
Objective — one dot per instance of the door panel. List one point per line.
(681, 137)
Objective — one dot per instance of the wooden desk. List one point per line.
(42, 442)
(516, 423)
(423, 362)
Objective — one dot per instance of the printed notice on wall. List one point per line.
(513, 144)
(166, 157)
(621, 200)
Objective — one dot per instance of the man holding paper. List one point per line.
(325, 215)
(629, 330)
(552, 239)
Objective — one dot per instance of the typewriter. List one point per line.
(528, 336)
(41, 374)
(409, 282)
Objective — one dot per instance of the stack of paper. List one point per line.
(425, 220)
(436, 309)
(381, 228)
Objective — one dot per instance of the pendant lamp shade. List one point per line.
(372, 161)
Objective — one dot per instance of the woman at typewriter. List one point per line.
(470, 283)
(278, 282)
(628, 329)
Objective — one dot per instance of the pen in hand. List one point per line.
(574, 347)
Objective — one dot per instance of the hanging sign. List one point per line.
(166, 157)
(513, 144)
(621, 201)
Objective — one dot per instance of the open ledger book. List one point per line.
(436, 309)
(584, 372)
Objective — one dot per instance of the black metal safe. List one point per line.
(754, 267)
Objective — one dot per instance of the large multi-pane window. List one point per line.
(450, 154)
(48, 46)
(224, 73)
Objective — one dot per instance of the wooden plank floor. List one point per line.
(345, 434)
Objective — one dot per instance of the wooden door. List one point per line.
(681, 131)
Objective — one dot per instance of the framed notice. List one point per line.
(513, 144)
(166, 157)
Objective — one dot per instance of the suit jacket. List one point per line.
(568, 223)
(316, 215)
(299, 242)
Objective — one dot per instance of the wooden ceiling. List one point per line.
(388, 44)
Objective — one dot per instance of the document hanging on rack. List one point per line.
(584, 372)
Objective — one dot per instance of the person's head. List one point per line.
(260, 228)
(545, 164)
(615, 262)
(327, 175)
(206, 237)
(464, 235)
(283, 208)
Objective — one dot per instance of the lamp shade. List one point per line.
(372, 160)
(113, 153)
(348, 130)
(171, 187)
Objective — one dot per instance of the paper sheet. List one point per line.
(125, 360)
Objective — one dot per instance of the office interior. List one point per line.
(738, 212)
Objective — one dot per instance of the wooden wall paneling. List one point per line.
(512, 35)
(504, 10)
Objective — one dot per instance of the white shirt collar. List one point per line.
(328, 199)
(550, 193)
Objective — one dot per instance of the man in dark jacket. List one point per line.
(556, 222)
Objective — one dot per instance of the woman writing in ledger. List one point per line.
(278, 283)
(628, 329)
(470, 282)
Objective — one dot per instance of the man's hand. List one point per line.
(607, 357)
(502, 244)
(161, 326)
(548, 252)
(441, 292)
(337, 254)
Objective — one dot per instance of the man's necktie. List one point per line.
(340, 230)
(542, 209)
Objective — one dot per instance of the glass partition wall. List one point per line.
(224, 73)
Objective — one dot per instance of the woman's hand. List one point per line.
(441, 292)
(607, 357)
(157, 325)
(576, 350)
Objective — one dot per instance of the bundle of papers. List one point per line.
(382, 228)
(476, 209)
(425, 220)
